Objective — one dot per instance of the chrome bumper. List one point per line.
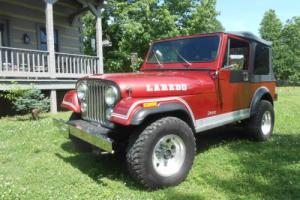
(95, 135)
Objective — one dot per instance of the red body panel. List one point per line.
(197, 82)
(71, 102)
(200, 92)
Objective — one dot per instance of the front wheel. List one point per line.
(162, 154)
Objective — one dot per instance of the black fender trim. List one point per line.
(141, 114)
(260, 92)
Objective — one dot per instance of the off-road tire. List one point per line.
(79, 144)
(141, 149)
(255, 123)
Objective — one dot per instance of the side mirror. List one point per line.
(236, 62)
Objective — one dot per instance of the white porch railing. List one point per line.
(74, 65)
(15, 62)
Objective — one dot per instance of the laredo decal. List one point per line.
(166, 87)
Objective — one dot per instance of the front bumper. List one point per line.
(88, 132)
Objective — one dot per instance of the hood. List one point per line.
(161, 84)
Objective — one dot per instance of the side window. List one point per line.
(237, 48)
(261, 63)
(43, 39)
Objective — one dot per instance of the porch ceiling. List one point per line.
(93, 5)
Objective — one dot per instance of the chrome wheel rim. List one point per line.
(168, 155)
(266, 123)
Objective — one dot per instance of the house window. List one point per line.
(261, 64)
(1, 35)
(43, 39)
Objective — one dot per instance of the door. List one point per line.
(233, 76)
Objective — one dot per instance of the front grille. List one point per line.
(95, 101)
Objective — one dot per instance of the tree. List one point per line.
(270, 26)
(131, 25)
(204, 18)
(286, 48)
(291, 41)
(270, 29)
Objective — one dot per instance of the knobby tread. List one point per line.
(136, 152)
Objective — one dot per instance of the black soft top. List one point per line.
(250, 36)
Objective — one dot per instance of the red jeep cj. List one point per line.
(185, 86)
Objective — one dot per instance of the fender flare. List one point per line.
(143, 113)
(70, 101)
(258, 95)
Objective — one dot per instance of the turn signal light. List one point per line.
(150, 104)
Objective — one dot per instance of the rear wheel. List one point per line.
(261, 125)
(79, 144)
(162, 154)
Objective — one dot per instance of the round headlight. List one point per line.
(81, 90)
(111, 95)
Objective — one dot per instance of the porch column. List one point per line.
(51, 50)
(50, 36)
(99, 44)
(53, 101)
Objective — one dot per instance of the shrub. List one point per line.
(27, 101)
(31, 99)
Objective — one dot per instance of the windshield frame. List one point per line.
(184, 38)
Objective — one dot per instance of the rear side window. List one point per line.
(261, 63)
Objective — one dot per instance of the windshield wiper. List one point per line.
(182, 58)
(158, 61)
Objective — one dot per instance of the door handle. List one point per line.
(245, 76)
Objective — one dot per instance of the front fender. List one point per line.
(131, 111)
(71, 102)
(143, 113)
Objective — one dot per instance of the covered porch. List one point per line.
(47, 65)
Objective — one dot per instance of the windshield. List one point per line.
(188, 50)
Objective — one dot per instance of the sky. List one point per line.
(246, 15)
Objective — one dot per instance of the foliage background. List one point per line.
(131, 25)
(286, 45)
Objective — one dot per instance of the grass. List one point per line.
(36, 162)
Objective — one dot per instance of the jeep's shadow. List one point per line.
(218, 136)
(99, 166)
(114, 166)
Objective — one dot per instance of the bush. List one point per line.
(32, 99)
(27, 101)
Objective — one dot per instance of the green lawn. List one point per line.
(36, 162)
